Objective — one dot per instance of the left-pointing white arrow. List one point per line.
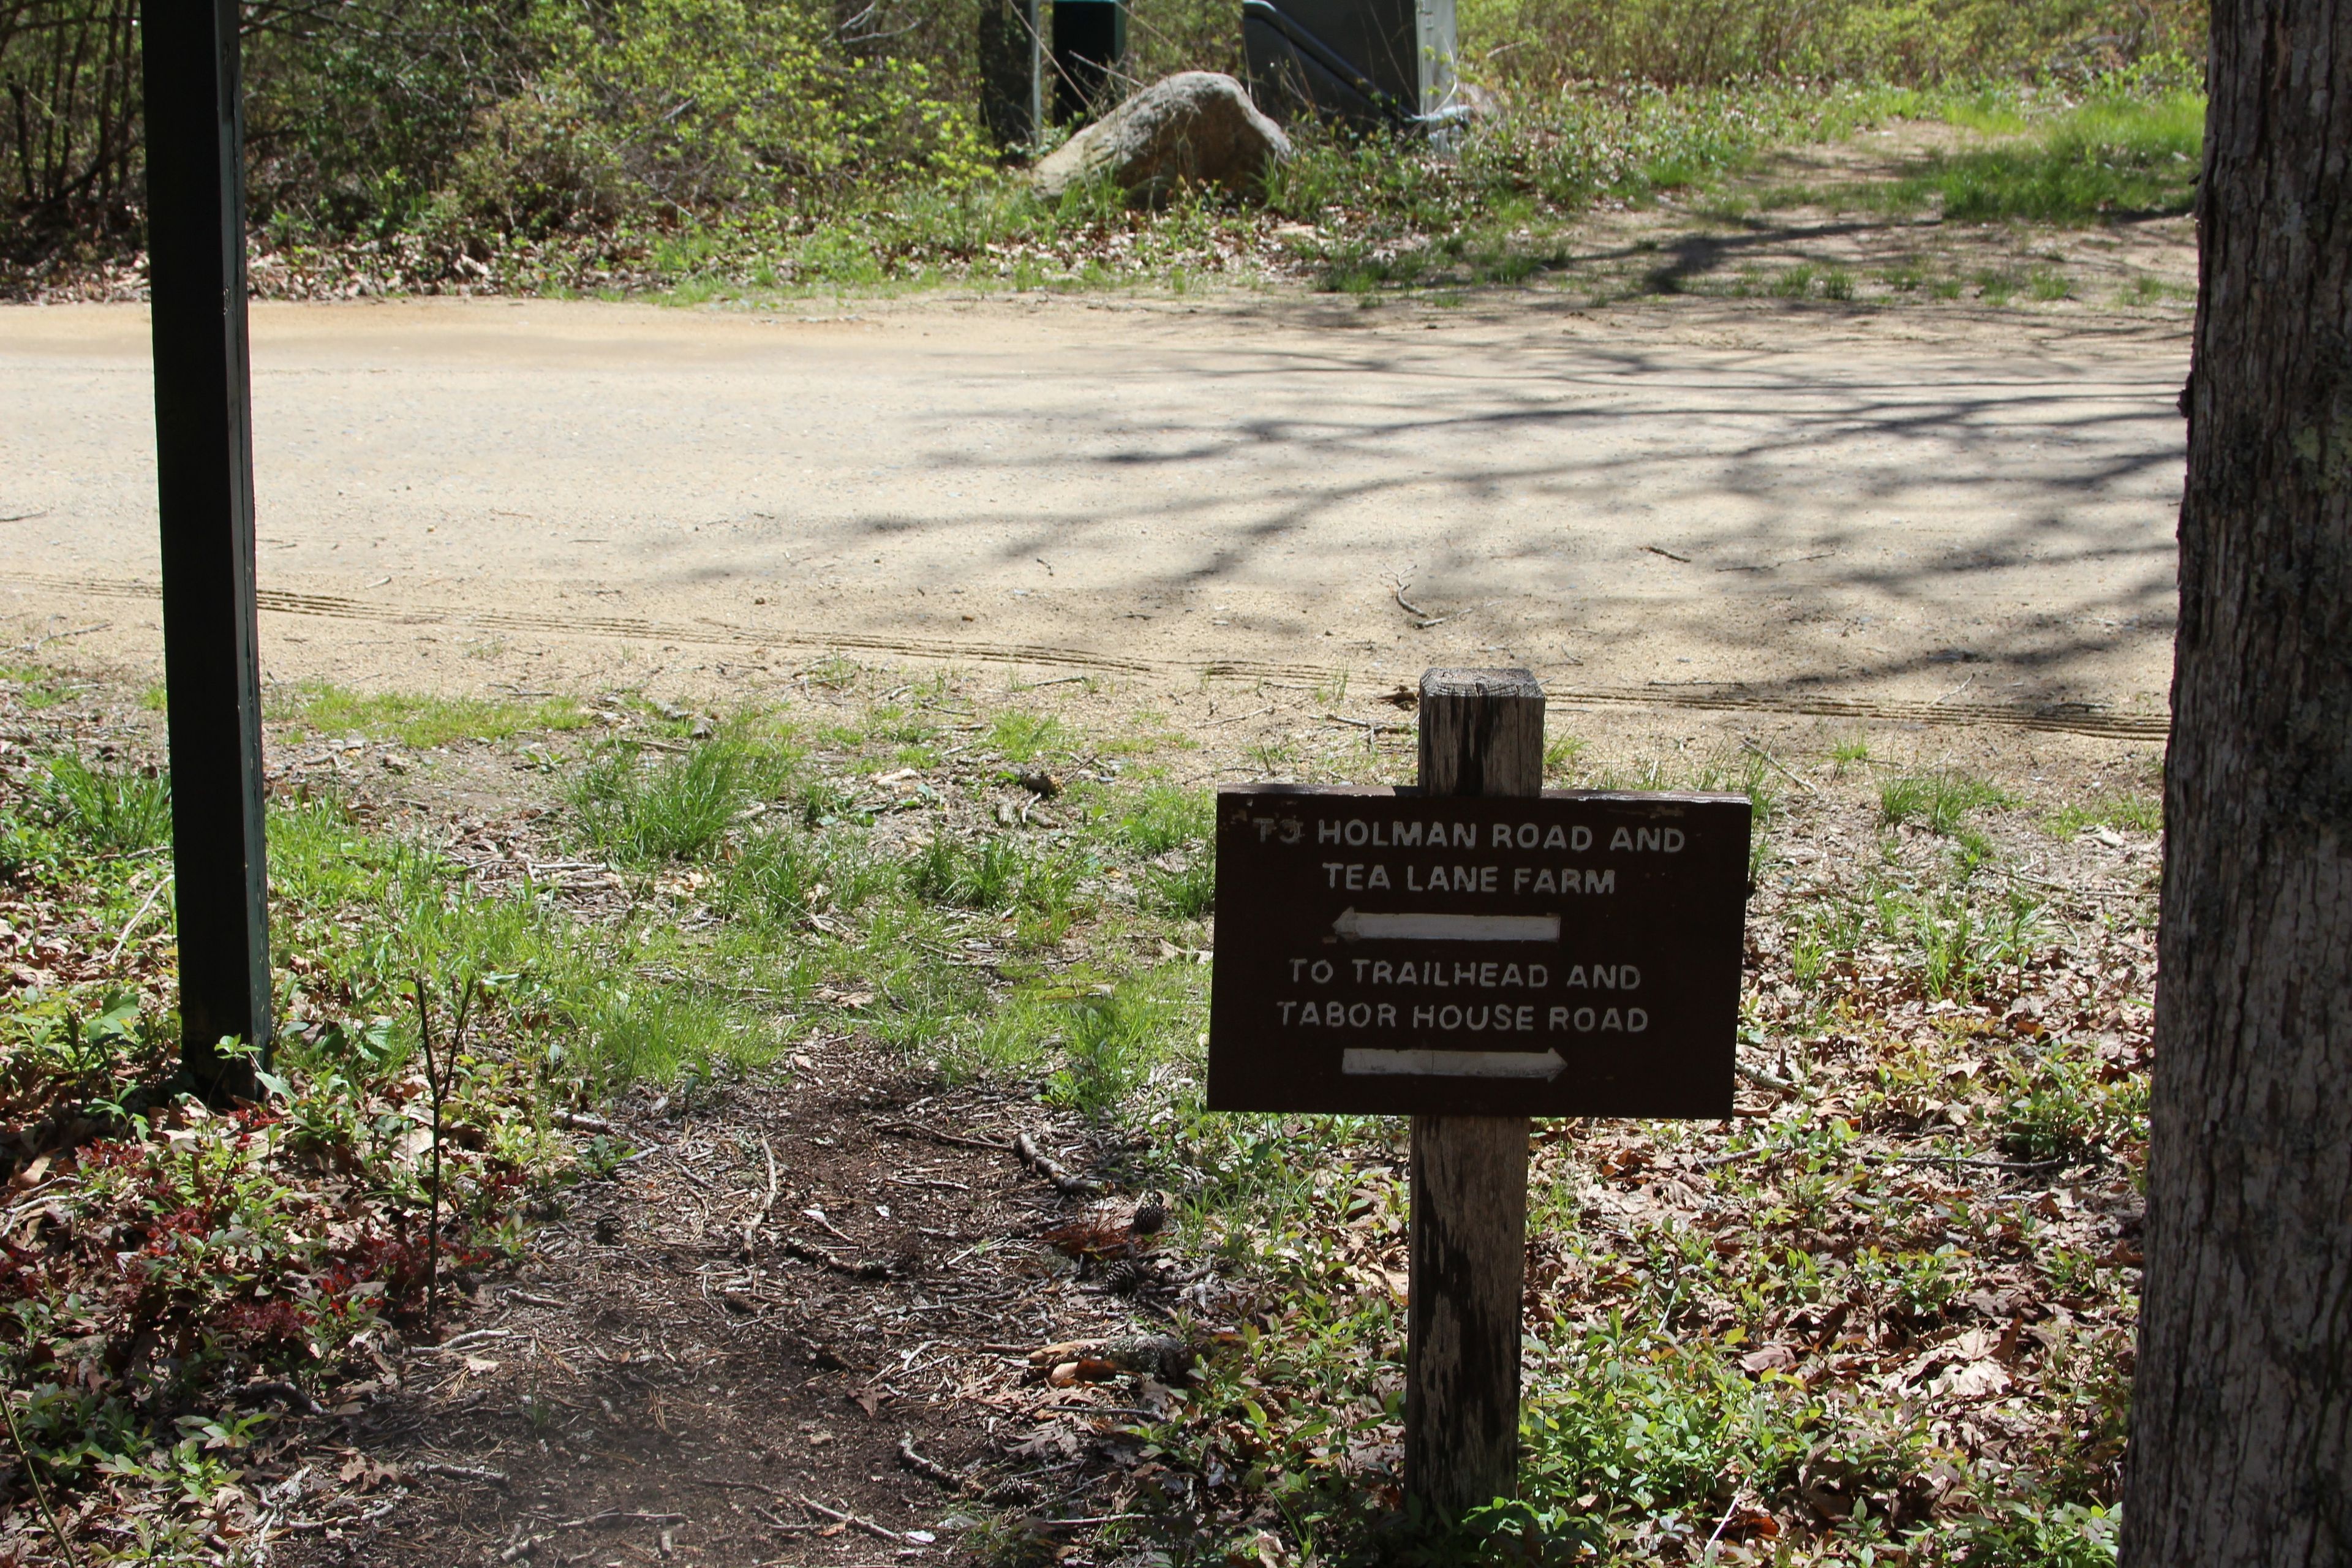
(1361, 1063)
(1353, 926)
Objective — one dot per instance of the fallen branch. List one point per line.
(1750, 743)
(880, 1532)
(1053, 1169)
(791, 1528)
(466, 1473)
(1972, 1162)
(579, 1122)
(39, 643)
(130, 927)
(997, 1145)
(1426, 620)
(617, 1516)
(528, 1299)
(752, 1226)
(1761, 1078)
(929, 1469)
(795, 1248)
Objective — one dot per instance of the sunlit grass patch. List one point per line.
(646, 808)
(420, 721)
(2132, 813)
(2109, 158)
(1938, 802)
(36, 687)
(1023, 737)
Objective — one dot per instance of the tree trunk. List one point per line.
(2241, 1419)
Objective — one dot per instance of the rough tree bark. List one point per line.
(2241, 1449)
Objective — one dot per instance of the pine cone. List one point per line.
(1150, 1215)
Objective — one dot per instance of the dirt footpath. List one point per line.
(1811, 508)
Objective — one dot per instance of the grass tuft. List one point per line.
(419, 721)
(1937, 801)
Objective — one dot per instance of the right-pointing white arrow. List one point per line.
(1362, 1063)
(1354, 927)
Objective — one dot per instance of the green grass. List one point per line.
(1023, 737)
(644, 807)
(1939, 801)
(36, 687)
(74, 811)
(2111, 158)
(2130, 812)
(419, 721)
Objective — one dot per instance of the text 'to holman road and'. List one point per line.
(1573, 954)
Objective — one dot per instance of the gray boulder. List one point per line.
(1196, 126)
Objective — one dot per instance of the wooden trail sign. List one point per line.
(1560, 954)
(1474, 952)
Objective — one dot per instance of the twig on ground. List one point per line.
(528, 1299)
(1750, 743)
(1972, 1162)
(926, 1183)
(929, 1469)
(795, 1248)
(1374, 725)
(131, 926)
(1669, 554)
(1053, 1169)
(39, 643)
(487, 1478)
(879, 1531)
(1426, 620)
(579, 1122)
(752, 1226)
(998, 1144)
(794, 1527)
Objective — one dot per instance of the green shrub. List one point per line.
(1539, 42)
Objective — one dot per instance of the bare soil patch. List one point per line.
(652, 1383)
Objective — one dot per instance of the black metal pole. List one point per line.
(204, 466)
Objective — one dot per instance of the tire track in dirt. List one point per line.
(2063, 717)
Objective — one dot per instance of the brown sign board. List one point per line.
(1572, 954)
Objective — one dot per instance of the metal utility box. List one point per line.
(1047, 58)
(1089, 45)
(1373, 62)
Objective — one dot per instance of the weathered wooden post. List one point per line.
(1470, 953)
(203, 468)
(1482, 733)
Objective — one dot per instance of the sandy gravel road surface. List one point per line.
(1930, 513)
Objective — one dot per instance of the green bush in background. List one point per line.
(460, 134)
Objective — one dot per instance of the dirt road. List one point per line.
(1802, 507)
